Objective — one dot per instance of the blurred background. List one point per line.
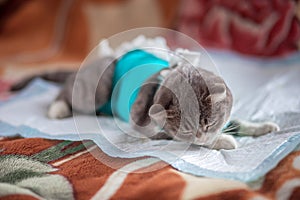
(41, 34)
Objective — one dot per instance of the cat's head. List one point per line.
(191, 104)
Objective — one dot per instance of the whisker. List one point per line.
(238, 133)
(229, 128)
(231, 133)
(236, 125)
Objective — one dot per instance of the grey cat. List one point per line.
(181, 102)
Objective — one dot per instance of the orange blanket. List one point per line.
(53, 169)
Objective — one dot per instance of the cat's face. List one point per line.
(191, 104)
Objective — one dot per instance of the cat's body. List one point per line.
(182, 102)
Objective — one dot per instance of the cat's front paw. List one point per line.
(59, 110)
(245, 128)
(224, 142)
(271, 127)
(265, 128)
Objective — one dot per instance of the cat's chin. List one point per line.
(205, 139)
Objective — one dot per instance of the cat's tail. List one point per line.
(56, 76)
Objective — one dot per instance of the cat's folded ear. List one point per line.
(158, 113)
(217, 93)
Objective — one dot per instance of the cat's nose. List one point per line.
(201, 138)
(201, 134)
(204, 128)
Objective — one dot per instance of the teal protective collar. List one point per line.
(131, 71)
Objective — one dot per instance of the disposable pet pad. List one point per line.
(277, 100)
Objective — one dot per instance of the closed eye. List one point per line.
(186, 131)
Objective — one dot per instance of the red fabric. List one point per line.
(4, 87)
(258, 27)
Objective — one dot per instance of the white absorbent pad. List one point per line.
(264, 91)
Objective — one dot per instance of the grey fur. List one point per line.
(88, 91)
(179, 115)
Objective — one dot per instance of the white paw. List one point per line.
(271, 127)
(257, 128)
(266, 127)
(58, 110)
(224, 142)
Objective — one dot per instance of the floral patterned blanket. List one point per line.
(52, 169)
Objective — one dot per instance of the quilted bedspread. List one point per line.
(52, 169)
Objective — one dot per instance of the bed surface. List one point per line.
(47, 35)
